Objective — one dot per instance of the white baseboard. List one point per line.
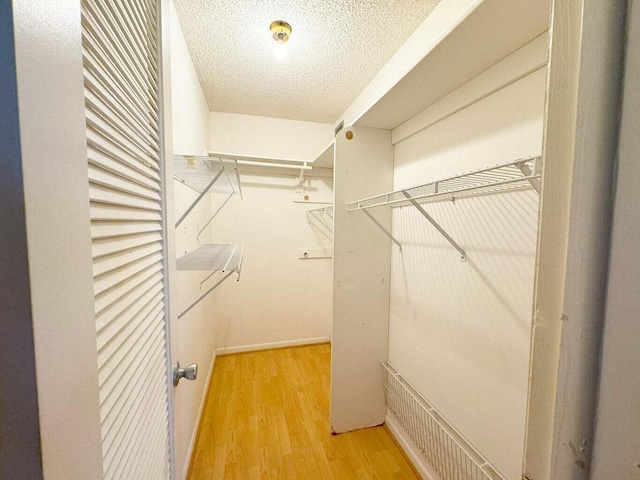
(196, 428)
(272, 345)
(425, 470)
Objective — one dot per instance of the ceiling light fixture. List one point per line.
(280, 30)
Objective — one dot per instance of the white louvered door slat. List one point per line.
(120, 48)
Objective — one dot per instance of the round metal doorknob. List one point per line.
(190, 372)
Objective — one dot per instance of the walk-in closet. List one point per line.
(404, 233)
(315, 239)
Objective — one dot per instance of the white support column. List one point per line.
(361, 279)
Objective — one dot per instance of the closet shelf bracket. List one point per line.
(516, 176)
(532, 175)
(225, 258)
(204, 175)
(214, 215)
(423, 212)
(197, 200)
(386, 232)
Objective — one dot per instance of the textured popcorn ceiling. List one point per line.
(335, 50)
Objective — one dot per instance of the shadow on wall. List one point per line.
(480, 309)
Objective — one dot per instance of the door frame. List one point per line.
(579, 150)
(48, 49)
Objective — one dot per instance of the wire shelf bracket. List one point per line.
(521, 174)
(423, 212)
(214, 257)
(381, 227)
(204, 175)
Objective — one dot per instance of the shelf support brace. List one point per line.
(214, 215)
(437, 227)
(527, 172)
(201, 297)
(386, 232)
(204, 192)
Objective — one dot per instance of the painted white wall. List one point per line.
(460, 332)
(616, 452)
(192, 335)
(279, 298)
(267, 137)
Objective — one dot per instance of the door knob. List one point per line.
(190, 372)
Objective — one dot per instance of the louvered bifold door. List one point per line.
(121, 57)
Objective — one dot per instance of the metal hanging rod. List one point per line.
(289, 163)
(303, 166)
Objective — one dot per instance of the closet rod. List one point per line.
(275, 165)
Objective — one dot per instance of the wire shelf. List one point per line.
(321, 221)
(198, 173)
(204, 175)
(441, 445)
(213, 257)
(522, 174)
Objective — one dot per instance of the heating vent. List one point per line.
(452, 457)
(339, 127)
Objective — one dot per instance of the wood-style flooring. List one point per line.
(267, 417)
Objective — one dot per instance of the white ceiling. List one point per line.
(335, 50)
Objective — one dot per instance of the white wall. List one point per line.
(279, 298)
(193, 333)
(266, 137)
(460, 332)
(616, 452)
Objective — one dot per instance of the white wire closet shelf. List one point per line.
(521, 174)
(321, 221)
(213, 257)
(206, 174)
(444, 447)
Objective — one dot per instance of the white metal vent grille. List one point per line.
(448, 453)
(120, 55)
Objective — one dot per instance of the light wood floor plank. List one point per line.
(267, 417)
